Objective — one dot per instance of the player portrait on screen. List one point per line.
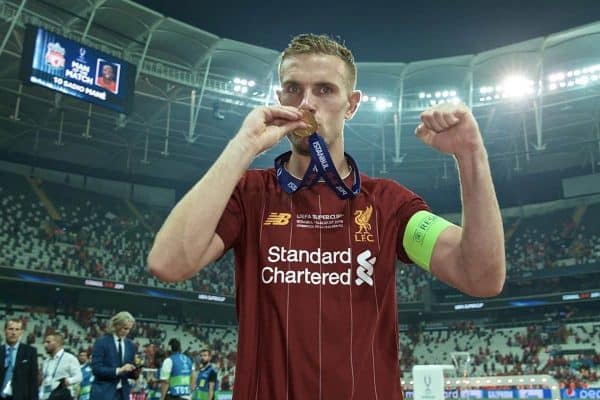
(107, 76)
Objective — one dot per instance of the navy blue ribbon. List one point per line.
(321, 166)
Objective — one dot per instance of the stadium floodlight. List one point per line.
(237, 88)
(516, 86)
(243, 82)
(555, 77)
(244, 89)
(582, 80)
(381, 105)
(365, 98)
(512, 87)
(576, 77)
(422, 95)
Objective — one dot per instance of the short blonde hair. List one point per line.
(309, 43)
(13, 320)
(119, 320)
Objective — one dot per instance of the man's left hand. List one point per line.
(450, 128)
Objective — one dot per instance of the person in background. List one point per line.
(18, 364)
(86, 372)
(205, 378)
(113, 358)
(154, 392)
(175, 374)
(60, 370)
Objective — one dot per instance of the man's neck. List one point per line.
(52, 355)
(298, 164)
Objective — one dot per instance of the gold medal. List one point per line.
(309, 118)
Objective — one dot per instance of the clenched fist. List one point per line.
(451, 129)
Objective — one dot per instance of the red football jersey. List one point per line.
(315, 284)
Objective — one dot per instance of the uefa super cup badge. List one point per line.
(55, 56)
(81, 57)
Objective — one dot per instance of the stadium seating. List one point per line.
(511, 350)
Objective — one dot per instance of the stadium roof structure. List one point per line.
(188, 102)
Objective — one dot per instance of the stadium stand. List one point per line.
(98, 236)
(571, 353)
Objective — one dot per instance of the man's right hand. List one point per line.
(265, 126)
(126, 369)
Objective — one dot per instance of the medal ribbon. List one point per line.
(321, 166)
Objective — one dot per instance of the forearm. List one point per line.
(164, 387)
(190, 227)
(75, 378)
(482, 241)
(211, 391)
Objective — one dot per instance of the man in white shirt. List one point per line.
(59, 368)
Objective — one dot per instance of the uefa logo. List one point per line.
(81, 57)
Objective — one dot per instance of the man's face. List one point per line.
(205, 357)
(318, 83)
(82, 357)
(13, 332)
(51, 345)
(124, 330)
(107, 72)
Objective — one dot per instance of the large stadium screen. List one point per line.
(69, 67)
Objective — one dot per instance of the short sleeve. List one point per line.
(232, 220)
(405, 211)
(165, 369)
(212, 377)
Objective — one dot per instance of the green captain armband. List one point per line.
(420, 236)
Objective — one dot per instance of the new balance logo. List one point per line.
(275, 218)
(364, 272)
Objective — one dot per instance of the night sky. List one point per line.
(375, 30)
